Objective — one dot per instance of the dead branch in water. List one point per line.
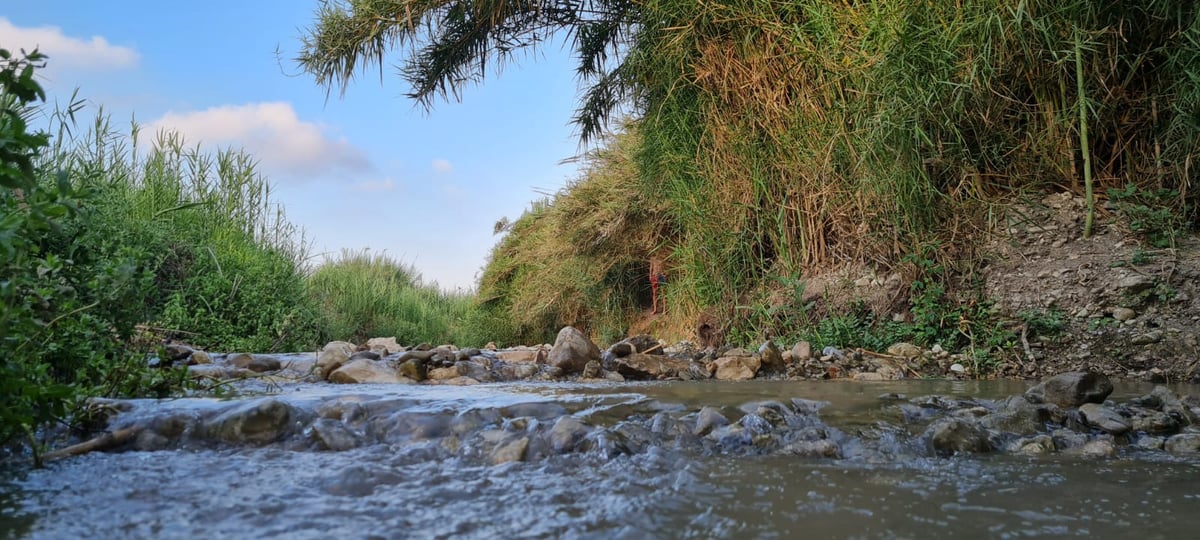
(108, 440)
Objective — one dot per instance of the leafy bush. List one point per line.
(69, 300)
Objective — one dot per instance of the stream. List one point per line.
(754, 459)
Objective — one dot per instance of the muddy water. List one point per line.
(430, 462)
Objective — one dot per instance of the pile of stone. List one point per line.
(573, 355)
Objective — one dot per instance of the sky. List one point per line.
(370, 170)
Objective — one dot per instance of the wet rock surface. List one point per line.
(534, 458)
(612, 421)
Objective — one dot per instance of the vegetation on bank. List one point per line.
(775, 141)
(109, 245)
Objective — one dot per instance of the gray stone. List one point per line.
(1016, 415)
(801, 351)
(820, 448)
(950, 436)
(420, 356)
(906, 350)
(1153, 422)
(621, 349)
(262, 364)
(708, 419)
(334, 435)
(1123, 314)
(572, 351)
(332, 356)
(199, 358)
(638, 366)
(869, 376)
(177, 351)
(1135, 283)
(1104, 418)
(736, 368)
(1035, 446)
(566, 434)
(369, 355)
(1097, 448)
(1153, 336)
(441, 373)
(592, 370)
(474, 370)
(241, 360)
(511, 451)
(412, 369)
(386, 343)
(1071, 389)
(770, 357)
(1151, 443)
(1184, 443)
(644, 344)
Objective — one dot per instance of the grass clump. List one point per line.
(364, 295)
(580, 257)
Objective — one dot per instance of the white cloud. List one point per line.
(273, 134)
(442, 166)
(94, 53)
(378, 186)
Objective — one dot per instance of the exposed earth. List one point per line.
(1124, 308)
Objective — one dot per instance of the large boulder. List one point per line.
(1071, 389)
(650, 366)
(736, 368)
(364, 370)
(572, 351)
(332, 356)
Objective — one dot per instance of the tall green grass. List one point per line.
(227, 264)
(776, 140)
(365, 295)
(580, 257)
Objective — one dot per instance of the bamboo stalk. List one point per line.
(1083, 139)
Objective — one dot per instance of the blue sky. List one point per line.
(370, 170)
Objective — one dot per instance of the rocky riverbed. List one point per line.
(1073, 455)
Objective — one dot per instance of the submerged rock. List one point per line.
(1071, 389)
(511, 451)
(257, 422)
(707, 419)
(572, 351)
(566, 433)
(950, 436)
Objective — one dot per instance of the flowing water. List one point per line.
(758, 459)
